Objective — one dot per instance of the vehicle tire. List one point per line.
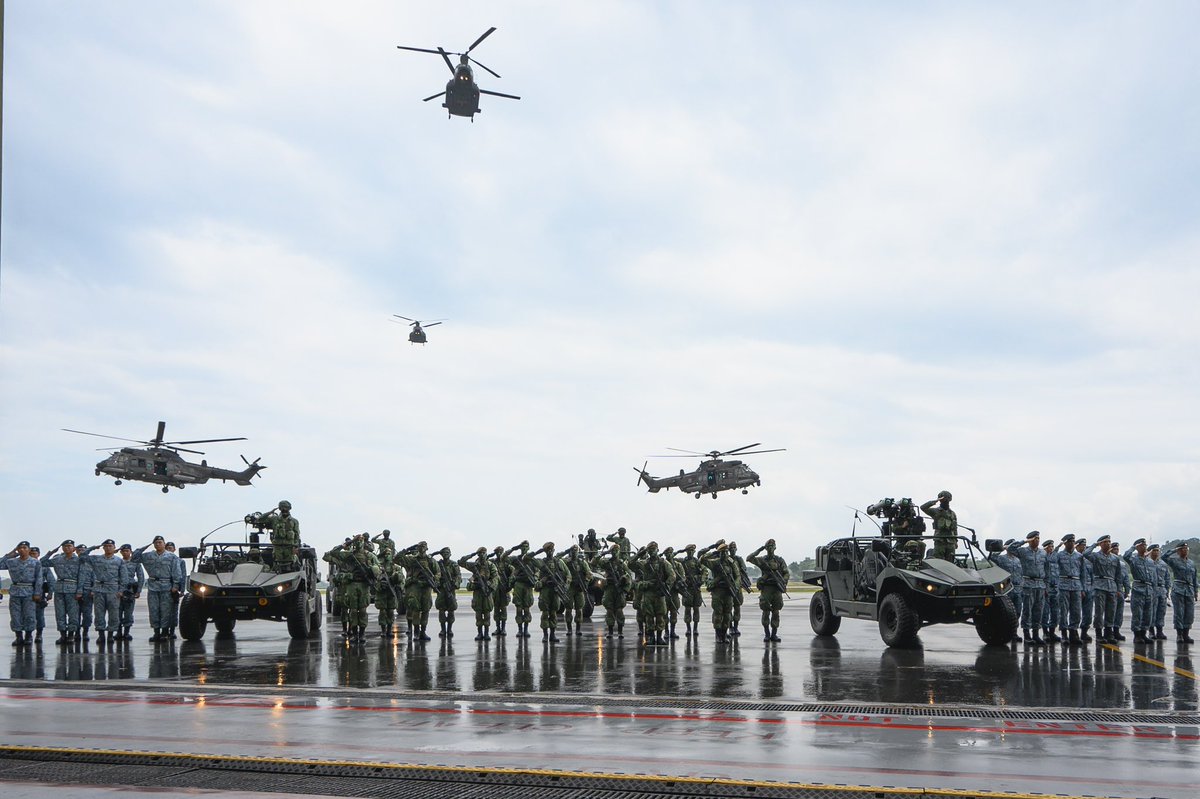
(997, 623)
(225, 625)
(898, 622)
(299, 620)
(192, 621)
(314, 623)
(821, 616)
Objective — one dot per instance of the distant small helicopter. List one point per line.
(162, 465)
(712, 476)
(417, 334)
(462, 94)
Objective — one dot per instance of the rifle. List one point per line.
(577, 578)
(430, 580)
(560, 587)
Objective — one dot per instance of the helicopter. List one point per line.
(162, 465)
(712, 476)
(462, 94)
(417, 334)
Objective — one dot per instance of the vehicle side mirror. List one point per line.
(881, 546)
(993, 545)
(187, 553)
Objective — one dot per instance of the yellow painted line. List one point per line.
(1152, 662)
(560, 774)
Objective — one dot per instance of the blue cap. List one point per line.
(1103, 538)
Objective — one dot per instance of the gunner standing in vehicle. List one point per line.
(285, 537)
(945, 525)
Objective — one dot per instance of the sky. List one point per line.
(922, 247)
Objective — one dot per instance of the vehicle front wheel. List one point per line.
(898, 622)
(192, 621)
(299, 620)
(821, 616)
(314, 622)
(225, 625)
(997, 623)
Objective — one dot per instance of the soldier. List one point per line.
(484, 576)
(387, 598)
(617, 581)
(387, 547)
(673, 600)
(1087, 595)
(524, 579)
(49, 583)
(690, 582)
(1162, 587)
(87, 599)
(1141, 573)
(182, 566)
(1070, 589)
(552, 594)
(503, 596)
(24, 592)
(107, 590)
(1008, 561)
(1183, 592)
(357, 570)
(654, 581)
(419, 584)
(1033, 568)
(945, 525)
(578, 582)
(449, 578)
(1050, 606)
(67, 591)
(739, 596)
(639, 612)
(164, 585)
(723, 582)
(133, 580)
(1104, 587)
(1123, 585)
(590, 543)
(772, 585)
(621, 541)
(285, 537)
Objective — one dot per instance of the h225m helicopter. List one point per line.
(162, 464)
(712, 476)
(462, 93)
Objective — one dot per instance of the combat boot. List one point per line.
(1074, 637)
(1050, 636)
(158, 636)
(170, 633)
(1118, 634)
(62, 639)
(37, 637)
(766, 632)
(1139, 637)
(425, 632)
(674, 636)
(127, 634)
(1114, 635)
(442, 633)
(487, 633)
(609, 634)
(735, 630)
(578, 629)
(100, 636)
(501, 627)
(1178, 637)
(687, 629)
(112, 636)
(19, 640)
(620, 630)
(1187, 637)
(1083, 634)
(1160, 635)
(553, 637)
(775, 635)
(720, 636)
(1037, 639)
(1027, 638)
(479, 633)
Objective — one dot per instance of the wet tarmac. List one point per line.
(952, 714)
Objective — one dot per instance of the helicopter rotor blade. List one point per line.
(432, 324)
(432, 97)
(498, 94)
(101, 435)
(677, 449)
(181, 449)
(419, 49)
(739, 449)
(203, 441)
(759, 451)
(398, 316)
(158, 436)
(486, 34)
(484, 67)
(446, 58)
(641, 472)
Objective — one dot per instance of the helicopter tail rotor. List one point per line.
(251, 471)
(641, 472)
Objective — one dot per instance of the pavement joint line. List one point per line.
(518, 772)
(1152, 662)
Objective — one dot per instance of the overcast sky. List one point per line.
(921, 246)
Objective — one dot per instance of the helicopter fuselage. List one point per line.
(462, 95)
(711, 477)
(166, 468)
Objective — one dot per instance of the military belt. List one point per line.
(30, 585)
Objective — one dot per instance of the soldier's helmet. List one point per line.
(621, 531)
(690, 548)
(770, 544)
(285, 505)
(387, 533)
(445, 552)
(946, 495)
(358, 543)
(498, 550)
(652, 546)
(548, 546)
(669, 551)
(482, 552)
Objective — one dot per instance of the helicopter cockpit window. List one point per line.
(141, 463)
(160, 467)
(712, 477)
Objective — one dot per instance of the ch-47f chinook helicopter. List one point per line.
(162, 465)
(462, 93)
(417, 334)
(711, 477)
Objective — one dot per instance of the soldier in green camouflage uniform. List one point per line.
(739, 596)
(387, 547)
(723, 583)
(552, 584)
(655, 579)
(619, 538)
(449, 578)
(419, 583)
(639, 614)
(503, 595)
(357, 569)
(386, 602)
(524, 579)
(945, 525)
(689, 584)
(673, 600)
(285, 537)
(772, 585)
(578, 582)
(617, 580)
(484, 576)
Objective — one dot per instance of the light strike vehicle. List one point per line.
(712, 476)
(891, 581)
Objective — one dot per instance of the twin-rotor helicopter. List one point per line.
(712, 476)
(462, 93)
(417, 334)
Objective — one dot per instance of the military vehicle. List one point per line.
(417, 334)
(889, 580)
(162, 464)
(236, 581)
(462, 93)
(712, 476)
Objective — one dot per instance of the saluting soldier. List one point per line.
(285, 537)
(525, 572)
(655, 578)
(1087, 595)
(690, 584)
(387, 547)
(133, 580)
(1183, 592)
(1050, 606)
(1008, 561)
(1141, 573)
(67, 590)
(387, 601)
(446, 601)
(1070, 589)
(674, 598)
(945, 525)
(419, 583)
(577, 588)
(163, 585)
(484, 576)
(106, 588)
(1161, 594)
(1124, 583)
(772, 585)
(622, 541)
(49, 581)
(739, 596)
(1104, 586)
(552, 584)
(24, 592)
(502, 598)
(1033, 567)
(723, 582)
(617, 581)
(357, 570)
(182, 566)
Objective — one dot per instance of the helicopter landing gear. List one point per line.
(697, 495)
(116, 482)
(97, 472)
(165, 489)
(714, 495)
(745, 491)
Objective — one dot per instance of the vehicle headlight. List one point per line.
(199, 588)
(279, 589)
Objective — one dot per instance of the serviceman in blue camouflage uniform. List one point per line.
(1050, 608)
(133, 580)
(165, 583)
(1087, 595)
(1105, 570)
(1184, 588)
(182, 565)
(1033, 568)
(1123, 585)
(67, 590)
(1009, 561)
(1070, 589)
(49, 583)
(24, 591)
(1161, 592)
(1141, 573)
(106, 588)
